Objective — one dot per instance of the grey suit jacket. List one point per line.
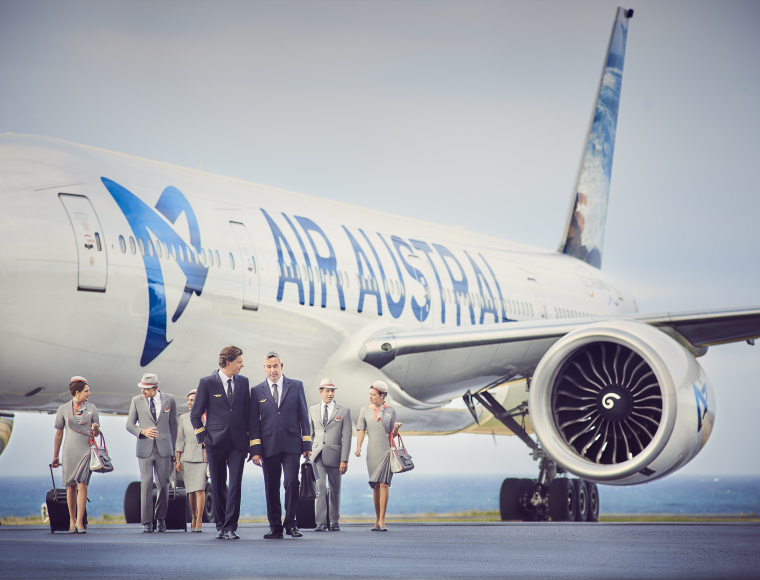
(332, 441)
(139, 418)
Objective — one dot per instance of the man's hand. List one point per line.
(343, 467)
(307, 454)
(256, 459)
(151, 433)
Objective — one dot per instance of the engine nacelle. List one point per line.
(621, 402)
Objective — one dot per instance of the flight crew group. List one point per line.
(270, 424)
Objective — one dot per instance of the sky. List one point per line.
(465, 113)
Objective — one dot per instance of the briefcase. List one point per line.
(58, 508)
(308, 489)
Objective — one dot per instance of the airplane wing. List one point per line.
(433, 365)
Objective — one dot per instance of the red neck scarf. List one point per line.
(383, 406)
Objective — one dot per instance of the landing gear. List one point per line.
(208, 507)
(581, 500)
(593, 502)
(132, 503)
(514, 498)
(132, 499)
(563, 503)
(560, 498)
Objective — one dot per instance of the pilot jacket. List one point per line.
(225, 435)
(331, 444)
(154, 454)
(280, 435)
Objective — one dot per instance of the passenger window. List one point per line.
(123, 244)
(132, 245)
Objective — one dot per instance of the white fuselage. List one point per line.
(167, 277)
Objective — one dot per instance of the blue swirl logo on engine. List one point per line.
(159, 221)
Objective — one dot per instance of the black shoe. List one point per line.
(272, 535)
(161, 525)
(147, 528)
(294, 532)
(221, 535)
(232, 535)
(334, 528)
(321, 528)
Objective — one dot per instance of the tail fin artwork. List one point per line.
(584, 228)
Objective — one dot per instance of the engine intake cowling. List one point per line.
(621, 402)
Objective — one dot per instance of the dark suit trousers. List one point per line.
(226, 503)
(274, 466)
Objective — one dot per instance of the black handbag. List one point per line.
(401, 461)
(308, 489)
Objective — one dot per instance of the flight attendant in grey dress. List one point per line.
(79, 418)
(377, 421)
(192, 465)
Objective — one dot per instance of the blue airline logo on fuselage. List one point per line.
(143, 219)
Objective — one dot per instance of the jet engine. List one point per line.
(621, 402)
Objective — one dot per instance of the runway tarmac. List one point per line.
(409, 550)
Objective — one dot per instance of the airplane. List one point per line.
(114, 266)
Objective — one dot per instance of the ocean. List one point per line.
(412, 494)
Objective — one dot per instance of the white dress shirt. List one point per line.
(225, 378)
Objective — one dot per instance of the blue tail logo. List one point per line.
(584, 229)
(159, 221)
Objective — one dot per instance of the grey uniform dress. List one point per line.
(377, 436)
(77, 426)
(193, 461)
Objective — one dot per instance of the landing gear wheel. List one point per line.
(593, 502)
(208, 506)
(132, 513)
(581, 494)
(510, 499)
(562, 500)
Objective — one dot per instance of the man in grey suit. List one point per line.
(152, 419)
(331, 444)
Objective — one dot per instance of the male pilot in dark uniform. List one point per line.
(223, 397)
(280, 432)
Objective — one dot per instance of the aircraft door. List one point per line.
(539, 296)
(250, 266)
(91, 247)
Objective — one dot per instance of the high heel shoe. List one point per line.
(79, 530)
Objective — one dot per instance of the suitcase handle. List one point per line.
(52, 476)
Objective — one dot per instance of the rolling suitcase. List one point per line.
(58, 508)
(176, 515)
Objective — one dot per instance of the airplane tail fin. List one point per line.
(586, 220)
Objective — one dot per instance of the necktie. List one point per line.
(153, 408)
(276, 395)
(324, 417)
(229, 389)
